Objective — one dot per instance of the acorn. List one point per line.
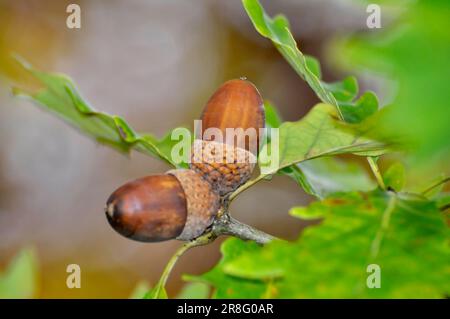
(228, 163)
(177, 205)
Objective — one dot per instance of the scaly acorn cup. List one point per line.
(228, 163)
(177, 205)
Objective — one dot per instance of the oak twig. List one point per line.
(223, 225)
(227, 225)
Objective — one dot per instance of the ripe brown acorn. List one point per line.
(228, 163)
(179, 204)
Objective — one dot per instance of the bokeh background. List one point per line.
(155, 63)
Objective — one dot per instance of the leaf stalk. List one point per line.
(376, 172)
(223, 225)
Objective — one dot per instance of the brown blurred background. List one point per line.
(155, 63)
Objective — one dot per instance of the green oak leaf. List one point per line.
(228, 286)
(362, 108)
(60, 96)
(277, 30)
(443, 202)
(140, 290)
(321, 176)
(394, 177)
(318, 134)
(157, 292)
(436, 187)
(412, 55)
(273, 117)
(345, 90)
(339, 94)
(407, 238)
(329, 175)
(194, 290)
(313, 65)
(19, 279)
(296, 173)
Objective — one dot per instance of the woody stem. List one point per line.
(227, 225)
(223, 225)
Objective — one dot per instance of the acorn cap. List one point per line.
(224, 166)
(202, 203)
(236, 104)
(149, 209)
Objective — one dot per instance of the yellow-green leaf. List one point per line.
(394, 177)
(60, 96)
(194, 290)
(19, 279)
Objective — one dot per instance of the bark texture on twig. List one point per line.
(227, 225)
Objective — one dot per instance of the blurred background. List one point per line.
(155, 63)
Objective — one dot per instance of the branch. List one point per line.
(437, 184)
(376, 172)
(223, 225)
(227, 225)
(156, 292)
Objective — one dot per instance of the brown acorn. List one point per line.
(177, 205)
(229, 163)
